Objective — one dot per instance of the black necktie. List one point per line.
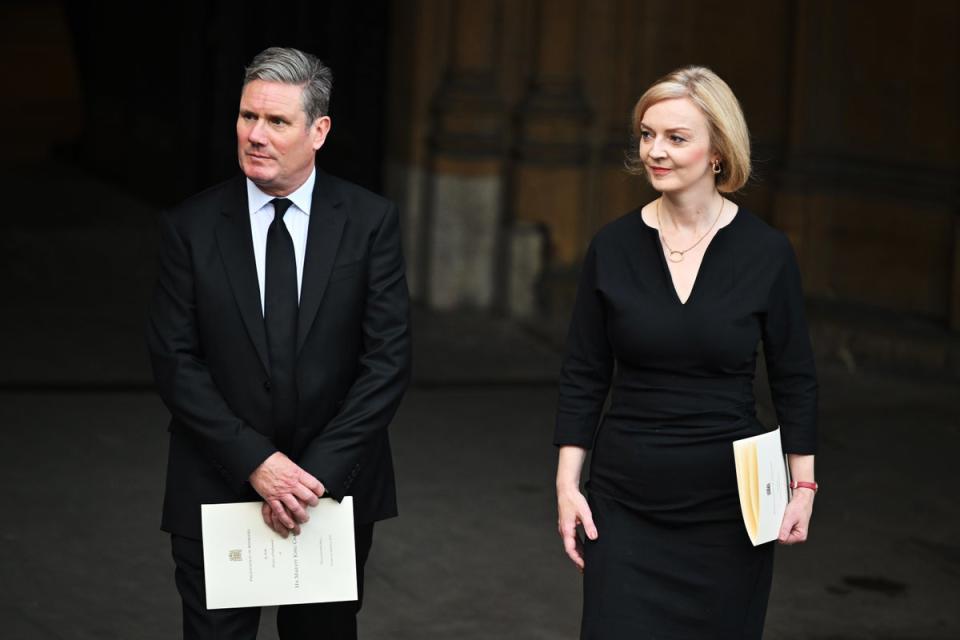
(280, 316)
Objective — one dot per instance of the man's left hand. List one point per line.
(272, 521)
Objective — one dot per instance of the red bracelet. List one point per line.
(799, 484)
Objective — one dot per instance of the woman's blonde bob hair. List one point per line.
(728, 128)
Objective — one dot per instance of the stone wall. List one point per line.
(508, 123)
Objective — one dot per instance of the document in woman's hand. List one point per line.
(247, 564)
(763, 484)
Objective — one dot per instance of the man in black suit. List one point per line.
(280, 343)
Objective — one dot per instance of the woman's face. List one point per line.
(675, 146)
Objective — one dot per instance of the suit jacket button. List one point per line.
(266, 385)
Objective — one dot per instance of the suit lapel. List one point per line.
(327, 220)
(236, 249)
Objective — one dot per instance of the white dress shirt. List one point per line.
(297, 219)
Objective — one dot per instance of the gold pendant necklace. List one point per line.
(674, 255)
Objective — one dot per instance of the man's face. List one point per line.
(275, 144)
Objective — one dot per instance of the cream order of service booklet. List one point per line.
(247, 564)
(763, 481)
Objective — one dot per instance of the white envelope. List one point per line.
(763, 483)
(247, 564)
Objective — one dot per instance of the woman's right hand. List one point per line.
(573, 510)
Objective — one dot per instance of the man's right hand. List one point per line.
(287, 490)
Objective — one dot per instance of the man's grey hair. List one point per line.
(292, 66)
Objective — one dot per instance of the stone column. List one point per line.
(463, 207)
(551, 151)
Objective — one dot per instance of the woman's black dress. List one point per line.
(673, 559)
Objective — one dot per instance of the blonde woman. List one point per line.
(674, 300)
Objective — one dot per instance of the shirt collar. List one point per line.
(301, 198)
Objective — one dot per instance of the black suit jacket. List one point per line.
(208, 348)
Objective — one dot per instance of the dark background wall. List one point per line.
(164, 79)
(114, 110)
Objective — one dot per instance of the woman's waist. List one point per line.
(658, 413)
(730, 401)
(682, 428)
(684, 378)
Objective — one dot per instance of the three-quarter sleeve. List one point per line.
(587, 365)
(790, 362)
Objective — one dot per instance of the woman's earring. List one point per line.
(715, 166)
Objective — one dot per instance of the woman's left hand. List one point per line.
(796, 519)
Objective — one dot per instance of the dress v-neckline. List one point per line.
(655, 233)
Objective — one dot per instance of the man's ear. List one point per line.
(320, 128)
